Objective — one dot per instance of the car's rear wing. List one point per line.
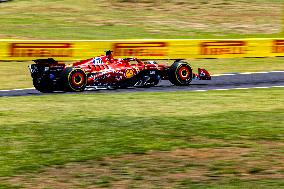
(46, 61)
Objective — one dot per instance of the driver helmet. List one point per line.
(109, 56)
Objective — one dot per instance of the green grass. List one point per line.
(40, 132)
(6, 186)
(233, 184)
(37, 132)
(101, 19)
(16, 74)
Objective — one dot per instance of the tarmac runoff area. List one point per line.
(229, 81)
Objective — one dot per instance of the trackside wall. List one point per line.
(21, 50)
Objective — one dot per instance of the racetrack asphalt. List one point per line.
(220, 82)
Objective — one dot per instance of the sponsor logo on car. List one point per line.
(278, 46)
(140, 49)
(41, 50)
(129, 73)
(223, 47)
(97, 61)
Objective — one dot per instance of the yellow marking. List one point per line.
(129, 73)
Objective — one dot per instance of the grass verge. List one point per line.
(37, 132)
(101, 19)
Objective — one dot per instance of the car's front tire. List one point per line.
(180, 73)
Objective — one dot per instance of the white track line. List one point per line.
(16, 89)
(245, 88)
(246, 73)
(198, 90)
(220, 89)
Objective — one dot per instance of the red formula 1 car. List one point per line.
(105, 71)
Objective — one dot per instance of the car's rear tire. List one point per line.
(180, 73)
(43, 85)
(73, 79)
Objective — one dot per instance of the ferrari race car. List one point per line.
(106, 72)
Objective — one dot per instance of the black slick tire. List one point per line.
(73, 79)
(180, 73)
(42, 85)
